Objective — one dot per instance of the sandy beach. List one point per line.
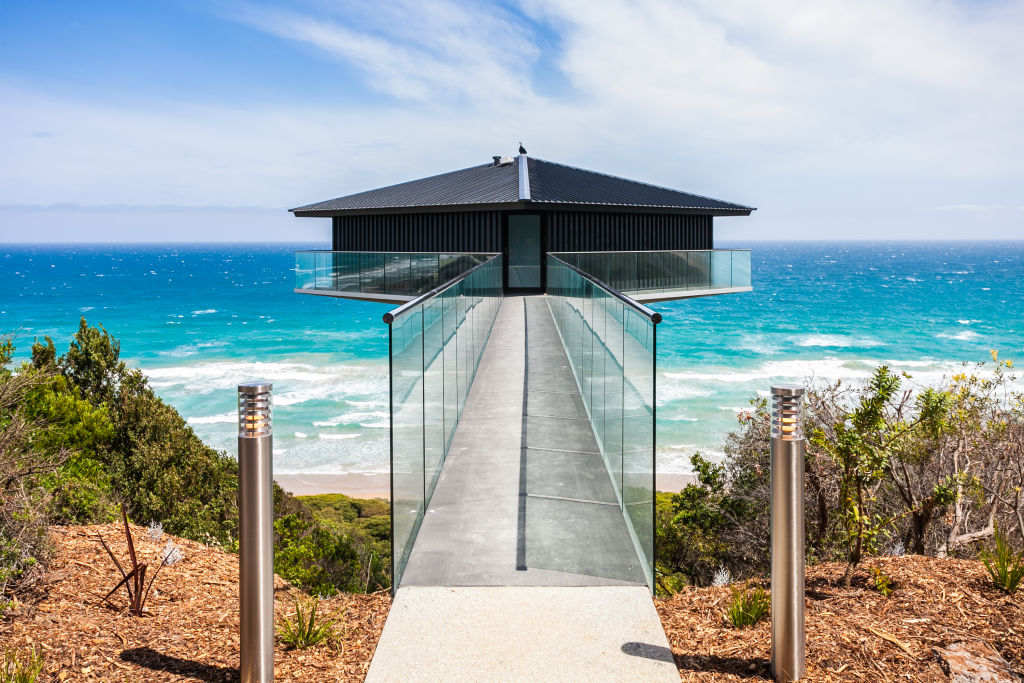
(354, 485)
(379, 485)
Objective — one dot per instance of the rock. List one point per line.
(975, 662)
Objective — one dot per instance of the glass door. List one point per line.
(523, 256)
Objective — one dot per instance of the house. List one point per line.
(533, 276)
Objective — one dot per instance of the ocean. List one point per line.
(198, 319)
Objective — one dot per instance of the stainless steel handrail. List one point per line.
(645, 251)
(344, 251)
(390, 316)
(654, 316)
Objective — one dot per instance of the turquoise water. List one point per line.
(200, 318)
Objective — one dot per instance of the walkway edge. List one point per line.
(591, 633)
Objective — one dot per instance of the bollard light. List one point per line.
(255, 532)
(787, 473)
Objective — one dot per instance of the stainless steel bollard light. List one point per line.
(255, 532)
(787, 465)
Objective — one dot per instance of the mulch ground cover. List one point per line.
(189, 631)
(855, 633)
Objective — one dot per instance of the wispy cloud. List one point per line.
(832, 117)
(430, 52)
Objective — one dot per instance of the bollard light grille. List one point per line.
(254, 409)
(788, 412)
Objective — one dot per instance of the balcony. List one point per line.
(649, 276)
(385, 277)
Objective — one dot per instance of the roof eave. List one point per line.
(520, 206)
(431, 208)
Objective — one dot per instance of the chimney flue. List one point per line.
(497, 159)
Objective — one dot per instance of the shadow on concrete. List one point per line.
(742, 667)
(208, 673)
(521, 520)
(647, 651)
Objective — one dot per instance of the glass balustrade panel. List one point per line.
(435, 347)
(611, 349)
(407, 472)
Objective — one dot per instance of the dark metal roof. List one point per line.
(500, 187)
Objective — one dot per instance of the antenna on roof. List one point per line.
(522, 150)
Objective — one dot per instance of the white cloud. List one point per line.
(875, 110)
(423, 51)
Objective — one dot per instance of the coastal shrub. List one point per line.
(747, 607)
(318, 559)
(932, 470)
(132, 447)
(24, 545)
(339, 508)
(1004, 566)
(367, 523)
(691, 525)
(302, 629)
(80, 489)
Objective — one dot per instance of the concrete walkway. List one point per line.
(524, 498)
(602, 633)
(523, 568)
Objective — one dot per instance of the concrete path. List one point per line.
(606, 633)
(524, 498)
(523, 568)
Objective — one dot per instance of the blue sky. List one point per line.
(206, 120)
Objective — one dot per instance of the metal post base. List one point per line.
(256, 558)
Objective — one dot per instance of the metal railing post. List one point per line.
(255, 533)
(787, 552)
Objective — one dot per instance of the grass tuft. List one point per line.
(21, 670)
(748, 607)
(1005, 566)
(303, 630)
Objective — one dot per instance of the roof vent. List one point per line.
(503, 160)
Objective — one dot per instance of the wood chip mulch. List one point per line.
(855, 633)
(190, 630)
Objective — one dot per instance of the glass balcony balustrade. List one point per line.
(434, 345)
(611, 344)
(662, 275)
(388, 276)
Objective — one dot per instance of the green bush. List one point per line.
(116, 441)
(130, 446)
(748, 607)
(367, 523)
(24, 545)
(1005, 567)
(339, 508)
(318, 559)
(887, 465)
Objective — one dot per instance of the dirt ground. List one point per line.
(190, 629)
(855, 633)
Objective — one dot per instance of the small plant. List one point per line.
(748, 607)
(898, 549)
(155, 531)
(882, 581)
(134, 581)
(722, 577)
(1005, 567)
(172, 554)
(304, 630)
(18, 670)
